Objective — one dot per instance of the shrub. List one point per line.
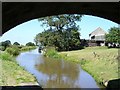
(30, 44)
(16, 43)
(13, 50)
(6, 43)
(51, 52)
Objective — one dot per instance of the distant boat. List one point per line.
(39, 49)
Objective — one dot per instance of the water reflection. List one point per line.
(59, 72)
(55, 73)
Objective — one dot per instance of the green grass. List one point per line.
(103, 67)
(11, 74)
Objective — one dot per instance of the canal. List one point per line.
(52, 73)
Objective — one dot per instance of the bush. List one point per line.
(51, 52)
(30, 44)
(13, 50)
(16, 43)
(6, 43)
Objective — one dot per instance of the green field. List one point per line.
(100, 62)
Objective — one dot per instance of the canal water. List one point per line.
(55, 73)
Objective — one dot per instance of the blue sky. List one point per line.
(26, 32)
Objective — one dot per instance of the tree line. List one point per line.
(7, 43)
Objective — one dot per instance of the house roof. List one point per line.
(97, 32)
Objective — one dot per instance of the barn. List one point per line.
(97, 37)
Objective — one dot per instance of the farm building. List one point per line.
(97, 37)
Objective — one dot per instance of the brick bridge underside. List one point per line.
(15, 13)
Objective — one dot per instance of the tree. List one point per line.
(60, 21)
(62, 41)
(16, 43)
(114, 35)
(30, 44)
(62, 32)
(6, 44)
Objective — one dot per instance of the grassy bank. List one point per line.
(100, 62)
(11, 73)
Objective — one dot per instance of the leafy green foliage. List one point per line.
(13, 50)
(30, 44)
(51, 52)
(16, 43)
(114, 35)
(63, 32)
(62, 41)
(5, 44)
(60, 21)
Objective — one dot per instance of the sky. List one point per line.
(27, 31)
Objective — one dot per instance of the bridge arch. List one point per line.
(15, 13)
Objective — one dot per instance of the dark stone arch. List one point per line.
(15, 13)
